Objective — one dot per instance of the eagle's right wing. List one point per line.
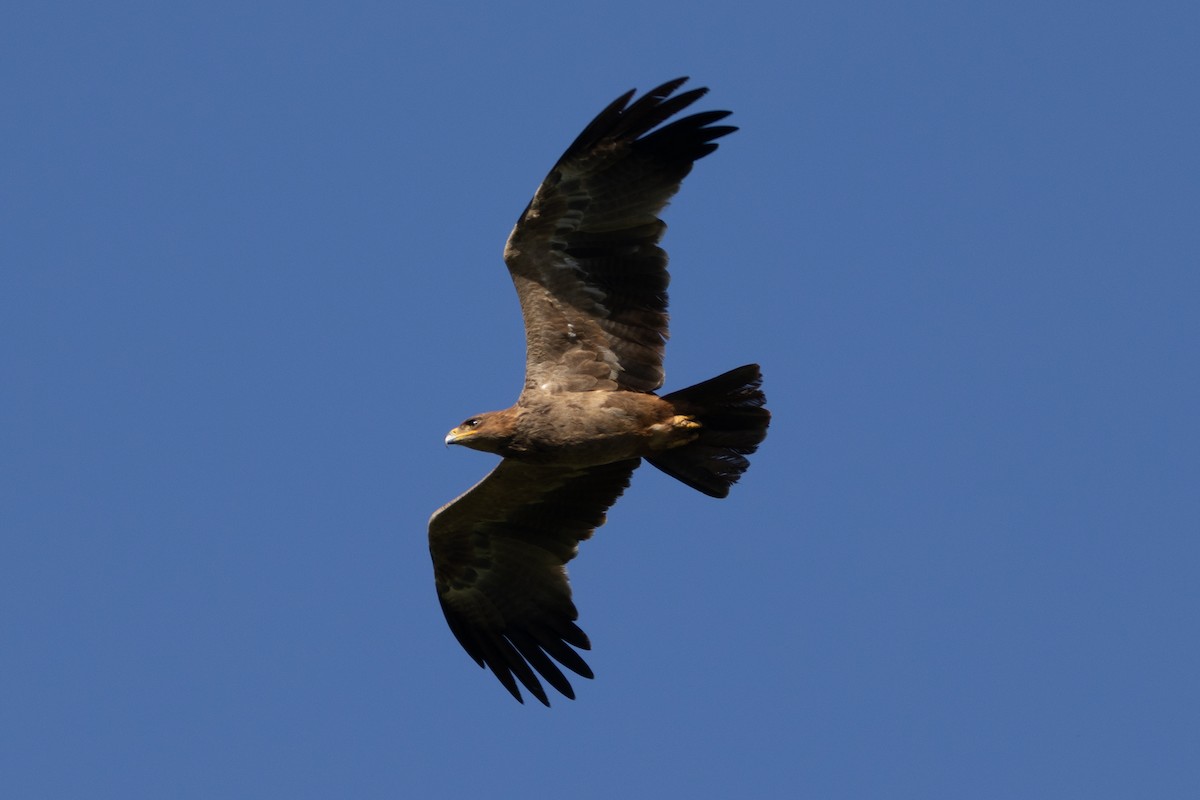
(499, 562)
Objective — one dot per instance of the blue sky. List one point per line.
(250, 275)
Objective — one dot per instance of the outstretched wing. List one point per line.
(499, 562)
(584, 256)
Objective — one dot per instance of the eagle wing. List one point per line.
(499, 561)
(584, 255)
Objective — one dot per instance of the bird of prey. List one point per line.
(592, 283)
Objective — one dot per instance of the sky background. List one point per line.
(250, 275)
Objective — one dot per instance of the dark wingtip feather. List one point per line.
(623, 120)
(665, 90)
(511, 654)
(528, 647)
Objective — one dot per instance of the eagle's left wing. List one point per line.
(584, 256)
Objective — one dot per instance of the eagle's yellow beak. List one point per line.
(456, 436)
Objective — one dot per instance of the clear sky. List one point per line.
(250, 275)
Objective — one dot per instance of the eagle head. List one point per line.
(491, 432)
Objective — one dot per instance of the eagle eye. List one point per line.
(473, 422)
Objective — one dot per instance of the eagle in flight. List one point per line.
(592, 282)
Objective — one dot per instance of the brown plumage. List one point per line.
(592, 282)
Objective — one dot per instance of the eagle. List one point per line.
(592, 282)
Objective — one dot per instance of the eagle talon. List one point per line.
(678, 431)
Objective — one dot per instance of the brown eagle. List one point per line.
(592, 282)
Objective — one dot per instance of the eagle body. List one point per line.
(578, 429)
(592, 280)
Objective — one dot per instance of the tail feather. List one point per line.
(733, 422)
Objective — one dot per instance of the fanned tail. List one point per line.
(733, 422)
